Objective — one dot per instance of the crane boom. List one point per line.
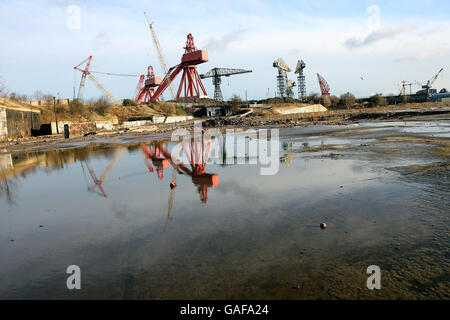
(433, 80)
(222, 72)
(117, 74)
(160, 54)
(102, 88)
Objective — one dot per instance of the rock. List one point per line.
(173, 185)
(323, 226)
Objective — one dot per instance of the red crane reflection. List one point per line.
(197, 154)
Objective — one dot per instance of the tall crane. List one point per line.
(160, 54)
(216, 74)
(301, 80)
(86, 72)
(146, 93)
(324, 87)
(191, 85)
(282, 76)
(426, 87)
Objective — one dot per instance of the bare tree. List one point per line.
(3, 89)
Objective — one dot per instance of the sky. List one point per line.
(363, 47)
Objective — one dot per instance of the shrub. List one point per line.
(347, 100)
(235, 99)
(101, 106)
(334, 101)
(128, 102)
(325, 101)
(377, 100)
(75, 107)
(313, 98)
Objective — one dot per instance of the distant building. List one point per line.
(212, 111)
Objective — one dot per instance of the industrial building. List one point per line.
(18, 122)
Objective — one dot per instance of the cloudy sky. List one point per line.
(382, 42)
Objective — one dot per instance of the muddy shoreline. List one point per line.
(160, 132)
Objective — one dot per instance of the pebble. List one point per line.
(323, 226)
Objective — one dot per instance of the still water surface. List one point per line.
(226, 233)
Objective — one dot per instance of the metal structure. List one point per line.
(191, 85)
(301, 80)
(426, 88)
(147, 92)
(160, 54)
(86, 72)
(139, 87)
(282, 76)
(289, 88)
(216, 74)
(404, 85)
(324, 87)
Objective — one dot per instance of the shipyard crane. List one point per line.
(190, 85)
(324, 87)
(426, 87)
(289, 88)
(139, 87)
(301, 80)
(86, 72)
(146, 93)
(404, 85)
(216, 74)
(160, 53)
(282, 76)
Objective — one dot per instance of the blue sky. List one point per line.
(342, 40)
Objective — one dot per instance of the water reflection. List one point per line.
(256, 236)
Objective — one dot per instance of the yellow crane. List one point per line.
(160, 54)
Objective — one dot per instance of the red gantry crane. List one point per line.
(148, 91)
(191, 85)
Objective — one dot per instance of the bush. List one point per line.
(313, 98)
(235, 99)
(348, 100)
(377, 100)
(128, 102)
(75, 107)
(325, 101)
(101, 106)
(334, 101)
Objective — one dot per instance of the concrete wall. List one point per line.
(3, 126)
(64, 102)
(76, 129)
(140, 123)
(172, 119)
(18, 123)
(306, 109)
